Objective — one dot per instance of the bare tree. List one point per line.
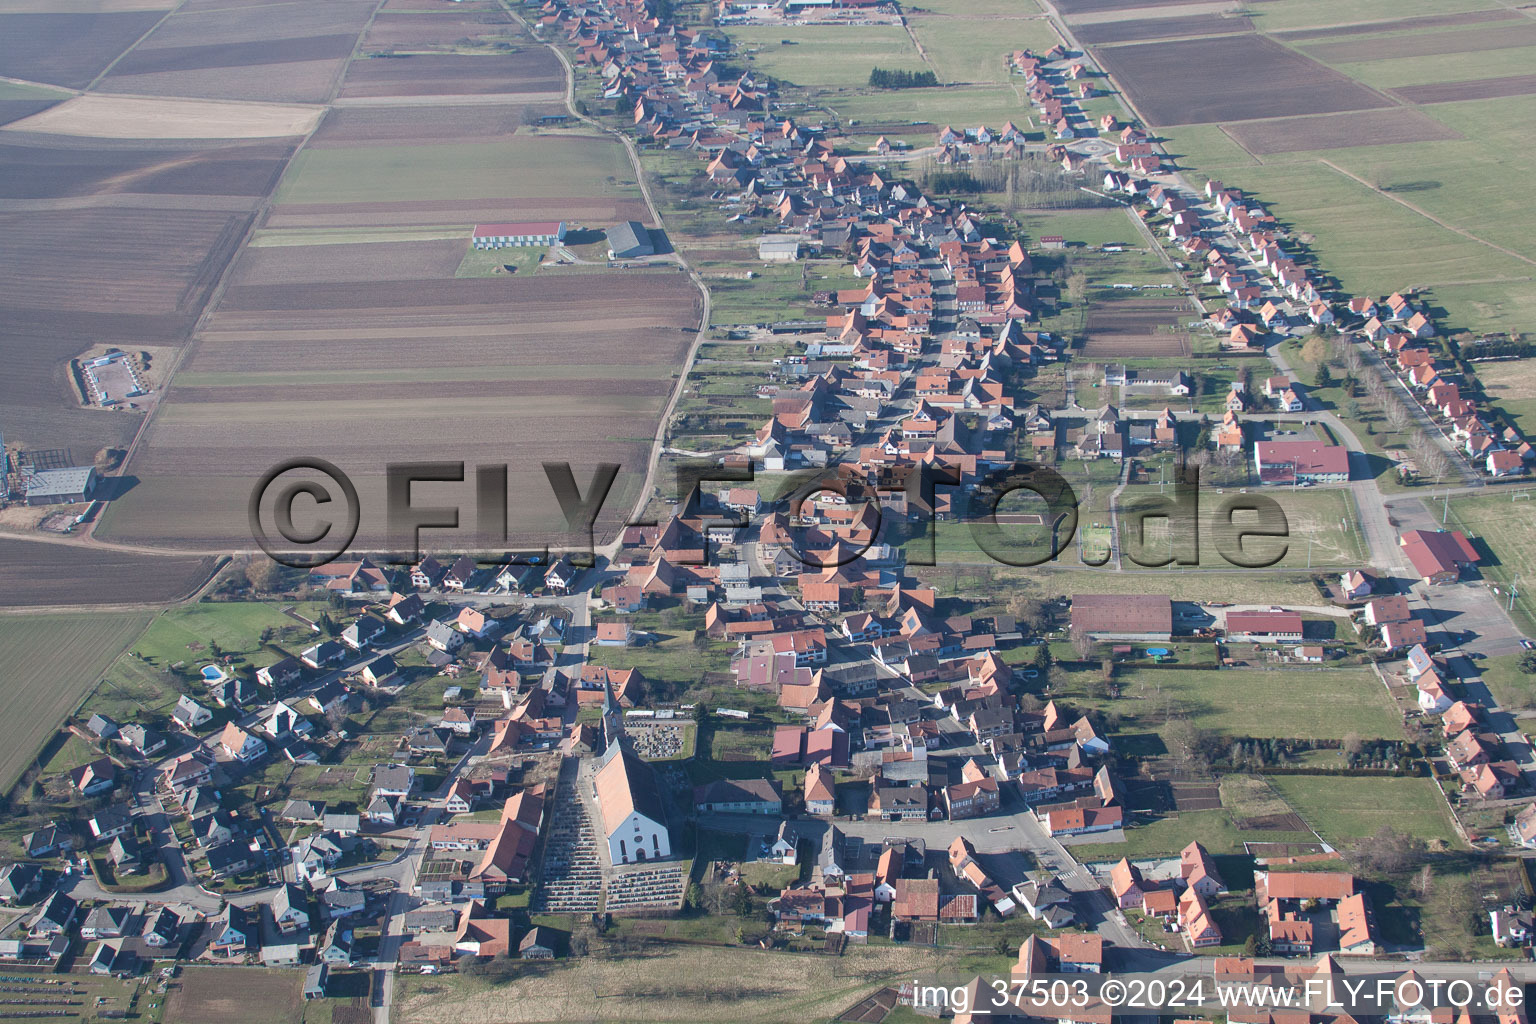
(1084, 645)
(1398, 416)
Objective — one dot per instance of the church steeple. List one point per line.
(613, 718)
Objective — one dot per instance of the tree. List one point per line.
(263, 574)
(1352, 745)
(1077, 287)
(1315, 350)
(1186, 741)
(1042, 659)
(741, 900)
(1388, 852)
(1084, 645)
(1528, 663)
(1324, 377)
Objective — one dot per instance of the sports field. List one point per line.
(51, 662)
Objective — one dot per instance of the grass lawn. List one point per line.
(51, 662)
(523, 260)
(1513, 689)
(1166, 836)
(1342, 809)
(675, 663)
(1508, 528)
(774, 292)
(1238, 588)
(524, 167)
(1326, 704)
(71, 754)
(959, 105)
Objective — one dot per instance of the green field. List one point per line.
(973, 46)
(1325, 704)
(1299, 14)
(826, 55)
(1342, 809)
(1322, 532)
(958, 105)
(1508, 528)
(1167, 835)
(51, 662)
(523, 167)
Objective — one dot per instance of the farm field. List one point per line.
(1343, 809)
(243, 53)
(269, 996)
(52, 662)
(958, 105)
(1238, 78)
(535, 70)
(1137, 328)
(1473, 89)
(524, 167)
(464, 123)
(1339, 131)
(1511, 386)
(468, 337)
(1137, 29)
(1167, 835)
(67, 49)
(1323, 704)
(34, 573)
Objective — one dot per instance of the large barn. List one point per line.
(61, 486)
(1136, 617)
(502, 236)
(629, 240)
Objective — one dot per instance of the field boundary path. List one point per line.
(659, 441)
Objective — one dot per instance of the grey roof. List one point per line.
(48, 482)
(302, 810)
(630, 235)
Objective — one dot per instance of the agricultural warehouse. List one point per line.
(519, 233)
(1123, 617)
(61, 486)
(629, 240)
